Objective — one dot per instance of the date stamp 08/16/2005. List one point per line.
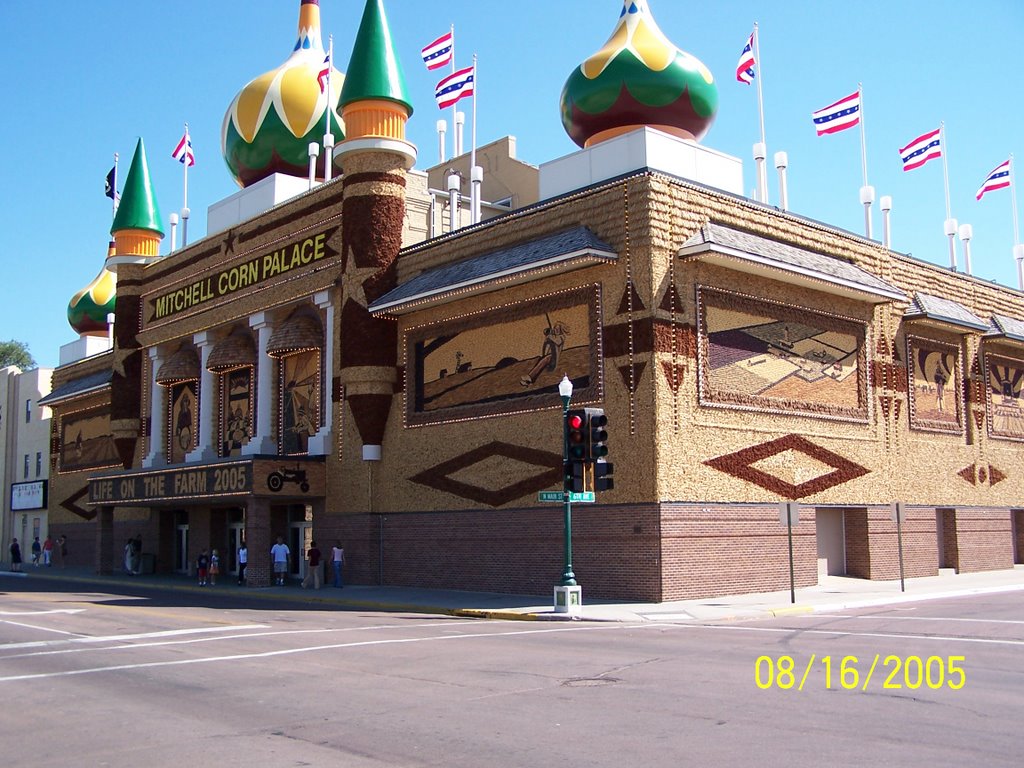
(856, 673)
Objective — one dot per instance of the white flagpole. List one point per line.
(114, 190)
(474, 181)
(762, 170)
(1018, 248)
(455, 106)
(950, 224)
(184, 207)
(328, 136)
(867, 192)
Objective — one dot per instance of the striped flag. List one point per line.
(745, 68)
(998, 179)
(844, 114)
(440, 52)
(922, 149)
(323, 77)
(456, 86)
(183, 152)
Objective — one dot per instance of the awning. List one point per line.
(1004, 328)
(296, 334)
(754, 254)
(183, 365)
(567, 250)
(236, 351)
(94, 382)
(938, 311)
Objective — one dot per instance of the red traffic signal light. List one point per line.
(576, 435)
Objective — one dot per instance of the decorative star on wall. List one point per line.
(352, 280)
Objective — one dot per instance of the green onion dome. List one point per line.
(639, 78)
(272, 121)
(88, 309)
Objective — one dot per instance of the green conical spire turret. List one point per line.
(138, 208)
(374, 72)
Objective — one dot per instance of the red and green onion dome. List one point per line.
(272, 121)
(88, 309)
(639, 78)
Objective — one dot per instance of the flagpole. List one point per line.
(328, 136)
(456, 144)
(114, 190)
(867, 192)
(950, 224)
(184, 207)
(475, 182)
(762, 170)
(1018, 248)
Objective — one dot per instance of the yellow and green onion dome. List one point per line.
(272, 121)
(639, 78)
(88, 309)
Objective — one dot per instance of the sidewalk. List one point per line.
(835, 593)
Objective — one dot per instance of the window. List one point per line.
(39, 463)
(26, 467)
(28, 411)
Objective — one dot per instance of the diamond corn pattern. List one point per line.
(741, 464)
(441, 476)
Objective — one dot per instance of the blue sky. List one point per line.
(86, 80)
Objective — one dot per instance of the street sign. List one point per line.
(586, 497)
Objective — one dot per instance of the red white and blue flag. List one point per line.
(998, 179)
(745, 68)
(183, 152)
(457, 85)
(922, 149)
(440, 52)
(323, 77)
(844, 114)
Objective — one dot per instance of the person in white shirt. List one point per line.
(243, 561)
(337, 561)
(280, 554)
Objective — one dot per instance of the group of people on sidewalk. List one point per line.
(208, 566)
(48, 553)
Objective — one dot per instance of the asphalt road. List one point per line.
(98, 679)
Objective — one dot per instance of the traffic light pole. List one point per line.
(568, 577)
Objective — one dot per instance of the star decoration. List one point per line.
(352, 280)
(121, 355)
(229, 242)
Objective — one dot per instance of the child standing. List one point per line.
(214, 567)
(201, 564)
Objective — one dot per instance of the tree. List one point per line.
(16, 353)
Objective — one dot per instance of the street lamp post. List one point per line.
(565, 392)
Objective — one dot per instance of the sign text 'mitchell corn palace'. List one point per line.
(295, 255)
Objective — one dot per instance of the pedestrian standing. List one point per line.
(243, 561)
(127, 556)
(137, 554)
(37, 551)
(15, 556)
(314, 575)
(214, 567)
(280, 554)
(337, 561)
(60, 550)
(47, 551)
(202, 563)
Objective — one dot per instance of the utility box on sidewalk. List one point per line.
(569, 600)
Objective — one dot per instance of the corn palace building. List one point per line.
(366, 362)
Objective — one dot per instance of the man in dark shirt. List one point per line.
(314, 574)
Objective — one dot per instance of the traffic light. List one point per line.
(575, 476)
(603, 480)
(576, 435)
(597, 435)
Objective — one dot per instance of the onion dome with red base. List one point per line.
(272, 121)
(639, 78)
(88, 309)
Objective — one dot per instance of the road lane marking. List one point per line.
(120, 638)
(42, 613)
(842, 633)
(41, 629)
(940, 618)
(311, 649)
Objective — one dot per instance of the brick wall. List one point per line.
(983, 540)
(920, 545)
(1018, 535)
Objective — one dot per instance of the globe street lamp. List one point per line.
(565, 392)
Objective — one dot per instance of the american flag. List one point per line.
(998, 179)
(456, 86)
(745, 69)
(922, 149)
(440, 52)
(844, 114)
(324, 75)
(183, 152)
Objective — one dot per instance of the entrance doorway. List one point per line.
(1017, 532)
(830, 529)
(181, 561)
(945, 530)
(299, 537)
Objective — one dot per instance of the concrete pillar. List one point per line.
(259, 540)
(105, 556)
(204, 450)
(320, 443)
(262, 443)
(157, 414)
